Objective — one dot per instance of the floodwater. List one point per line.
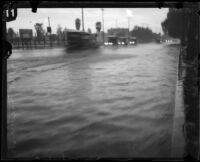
(109, 102)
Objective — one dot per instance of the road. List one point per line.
(110, 102)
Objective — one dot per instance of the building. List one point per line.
(120, 32)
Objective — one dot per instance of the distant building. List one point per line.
(120, 32)
(26, 33)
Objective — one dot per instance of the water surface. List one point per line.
(110, 102)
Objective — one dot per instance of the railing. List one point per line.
(19, 44)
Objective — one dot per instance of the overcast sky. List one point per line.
(113, 17)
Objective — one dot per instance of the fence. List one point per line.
(29, 44)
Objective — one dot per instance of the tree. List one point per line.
(77, 23)
(173, 24)
(39, 31)
(98, 26)
(143, 34)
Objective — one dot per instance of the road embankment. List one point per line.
(185, 139)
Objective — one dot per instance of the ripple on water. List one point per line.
(116, 103)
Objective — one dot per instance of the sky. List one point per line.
(113, 17)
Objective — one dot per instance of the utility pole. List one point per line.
(128, 26)
(129, 14)
(49, 21)
(50, 31)
(83, 20)
(103, 22)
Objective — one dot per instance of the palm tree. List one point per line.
(98, 26)
(40, 31)
(78, 23)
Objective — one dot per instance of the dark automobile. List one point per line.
(133, 41)
(123, 41)
(111, 40)
(158, 40)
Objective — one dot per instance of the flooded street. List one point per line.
(109, 102)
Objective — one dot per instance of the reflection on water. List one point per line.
(96, 103)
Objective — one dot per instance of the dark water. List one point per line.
(111, 102)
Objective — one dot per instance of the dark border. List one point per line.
(78, 4)
(106, 4)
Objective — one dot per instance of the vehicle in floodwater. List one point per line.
(133, 41)
(158, 40)
(111, 40)
(80, 40)
(123, 41)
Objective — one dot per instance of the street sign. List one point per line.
(26, 33)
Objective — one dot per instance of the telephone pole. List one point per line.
(49, 32)
(128, 26)
(83, 20)
(103, 22)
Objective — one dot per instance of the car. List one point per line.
(133, 41)
(111, 40)
(123, 41)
